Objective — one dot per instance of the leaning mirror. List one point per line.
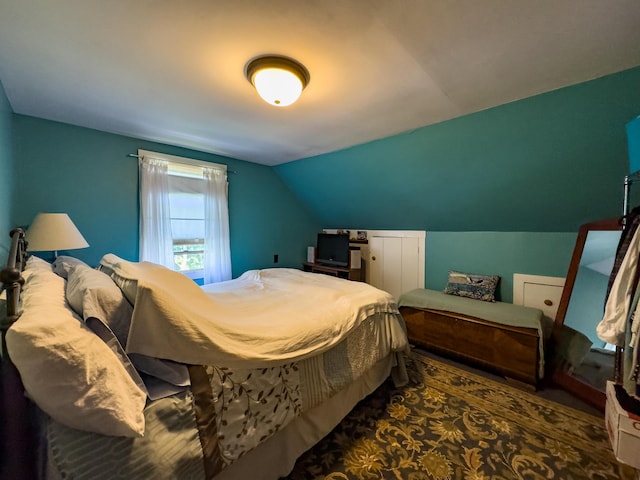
(581, 362)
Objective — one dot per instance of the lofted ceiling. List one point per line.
(173, 71)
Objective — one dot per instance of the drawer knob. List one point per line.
(548, 303)
(373, 258)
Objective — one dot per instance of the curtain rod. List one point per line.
(135, 155)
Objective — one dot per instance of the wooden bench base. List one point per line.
(510, 351)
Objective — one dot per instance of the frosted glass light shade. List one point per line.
(277, 87)
(278, 80)
(53, 232)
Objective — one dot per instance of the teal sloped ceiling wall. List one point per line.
(543, 164)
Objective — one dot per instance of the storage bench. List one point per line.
(502, 337)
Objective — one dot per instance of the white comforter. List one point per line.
(263, 317)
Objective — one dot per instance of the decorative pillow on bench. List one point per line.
(478, 287)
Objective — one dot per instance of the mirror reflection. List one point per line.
(592, 359)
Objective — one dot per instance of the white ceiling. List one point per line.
(173, 71)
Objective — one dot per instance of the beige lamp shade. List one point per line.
(53, 232)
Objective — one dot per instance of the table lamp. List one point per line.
(53, 232)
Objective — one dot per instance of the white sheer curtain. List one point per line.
(217, 255)
(156, 242)
(157, 181)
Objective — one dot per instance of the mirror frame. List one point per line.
(571, 384)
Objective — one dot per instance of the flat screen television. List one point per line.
(333, 249)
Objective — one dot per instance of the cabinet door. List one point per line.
(538, 292)
(395, 264)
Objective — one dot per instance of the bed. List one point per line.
(133, 371)
(506, 338)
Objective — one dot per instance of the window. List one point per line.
(186, 206)
(184, 217)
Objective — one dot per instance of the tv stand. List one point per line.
(340, 272)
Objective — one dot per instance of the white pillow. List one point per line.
(63, 265)
(35, 264)
(124, 273)
(97, 299)
(68, 371)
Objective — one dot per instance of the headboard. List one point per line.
(17, 432)
(12, 281)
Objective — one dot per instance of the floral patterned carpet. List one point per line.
(451, 424)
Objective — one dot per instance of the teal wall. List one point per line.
(497, 253)
(6, 174)
(477, 184)
(87, 174)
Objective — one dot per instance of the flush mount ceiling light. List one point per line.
(279, 80)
